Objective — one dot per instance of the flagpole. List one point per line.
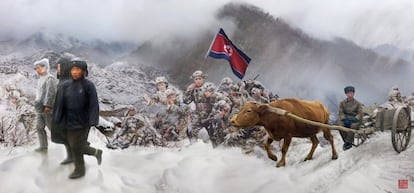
(209, 48)
(205, 60)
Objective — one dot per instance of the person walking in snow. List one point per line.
(78, 110)
(45, 98)
(58, 131)
(350, 116)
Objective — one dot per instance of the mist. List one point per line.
(368, 23)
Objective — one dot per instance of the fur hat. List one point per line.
(349, 89)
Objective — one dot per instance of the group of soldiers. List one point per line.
(173, 116)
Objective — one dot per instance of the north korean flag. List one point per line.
(223, 48)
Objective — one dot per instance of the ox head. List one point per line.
(249, 115)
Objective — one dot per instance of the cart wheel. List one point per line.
(401, 129)
(360, 139)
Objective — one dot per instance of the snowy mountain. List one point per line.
(96, 50)
(394, 52)
(288, 61)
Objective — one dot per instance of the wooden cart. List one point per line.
(397, 120)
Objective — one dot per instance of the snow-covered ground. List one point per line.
(372, 167)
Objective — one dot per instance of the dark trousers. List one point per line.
(349, 136)
(79, 145)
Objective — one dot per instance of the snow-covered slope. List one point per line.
(372, 167)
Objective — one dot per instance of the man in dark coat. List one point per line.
(78, 110)
(58, 131)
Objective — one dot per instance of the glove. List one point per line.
(354, 120)
(347, 122)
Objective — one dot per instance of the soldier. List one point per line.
(257, 96)
(45, 98)
(395, 100)
(248, 85)
(219, 123)
(193, 94)
(159, 97)
(237, 99)
(224, 86)
(246, 138)
(204, 99)
(171, 122)
(350, 116)
(131, 130)
(395, 95)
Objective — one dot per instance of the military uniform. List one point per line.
(130, 132)
(237, 100)
(219, 122)
(169, 123)
(246, 138)
(256, 96)
(159, 97)
(202, 118)
(225, 85)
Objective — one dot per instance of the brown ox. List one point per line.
(282, 127)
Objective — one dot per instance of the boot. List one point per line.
(79, 170)
(77, 173)
(98, 155)
(41, 149)
(68, 158)
(41, 133)
(88, 150)
(347, 146)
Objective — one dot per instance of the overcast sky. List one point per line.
(368, 23)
